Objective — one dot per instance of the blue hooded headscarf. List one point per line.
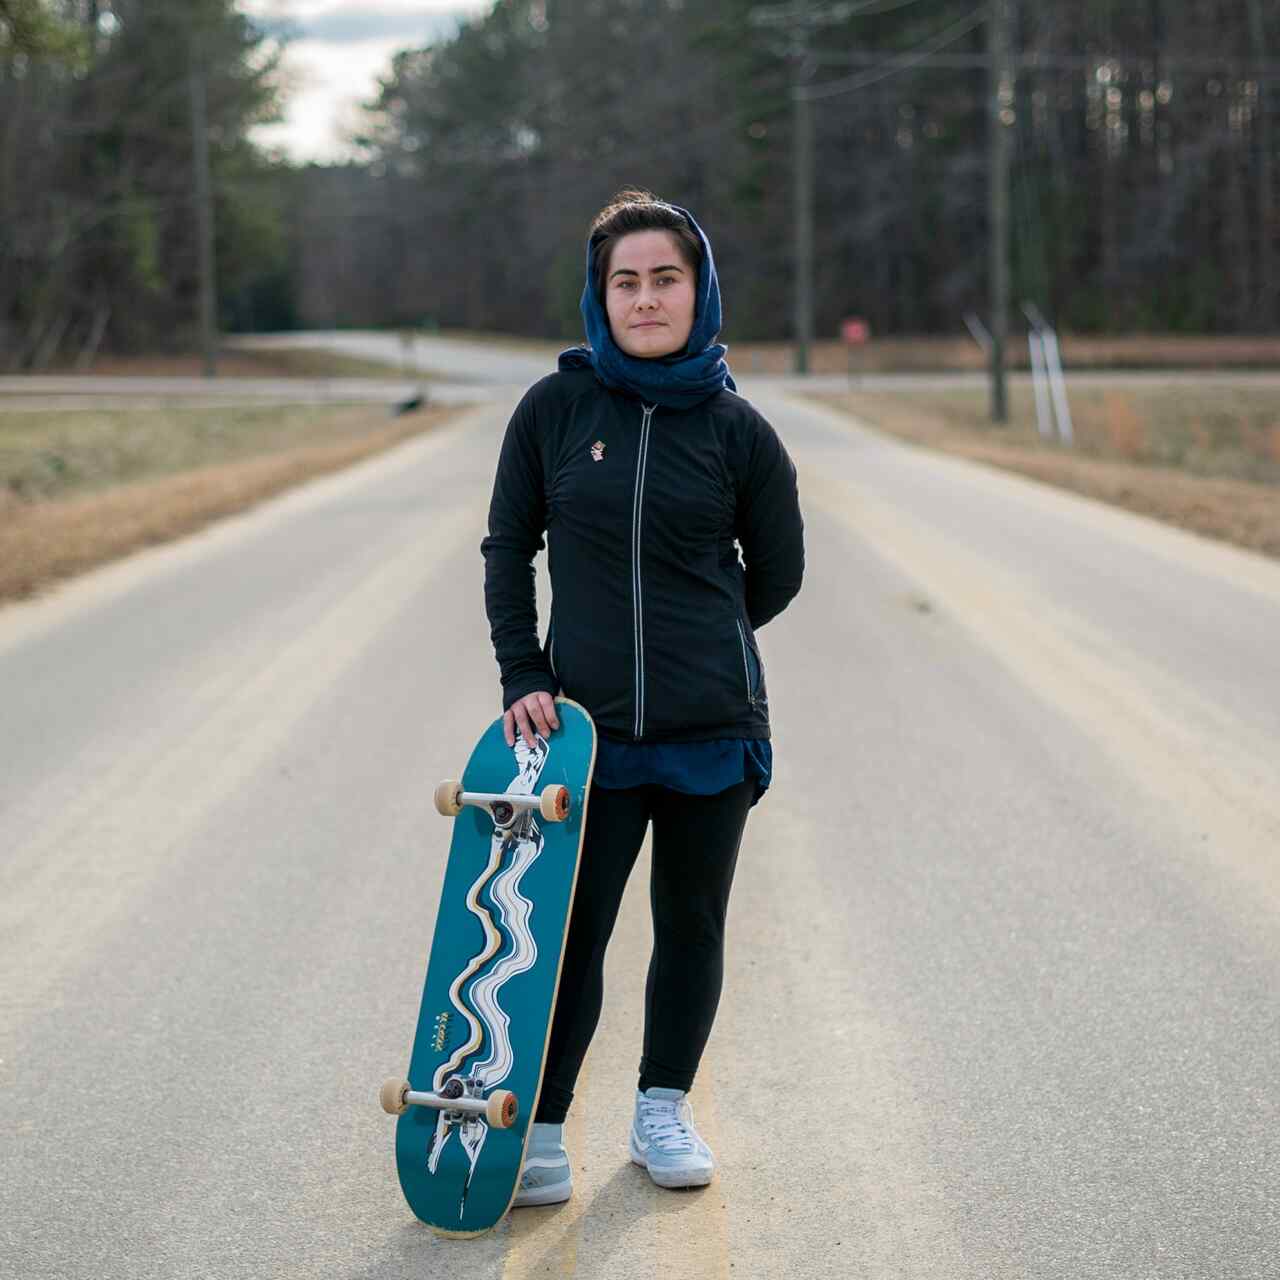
(678, 381)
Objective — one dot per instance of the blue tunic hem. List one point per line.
(695, 768)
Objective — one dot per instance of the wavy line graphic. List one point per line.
(518, 844)
(515, 911)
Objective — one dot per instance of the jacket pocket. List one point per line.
(752, 668)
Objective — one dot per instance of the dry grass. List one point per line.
(46, 455)
(1226, 432)
(302, 362)
(44, 540)
(960, 352)
(316, 362)
(1210, 464)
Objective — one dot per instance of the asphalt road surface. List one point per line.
(1004, 960)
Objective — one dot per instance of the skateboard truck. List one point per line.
(553, 802)
(500, 1108)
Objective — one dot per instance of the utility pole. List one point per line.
(1266, 174)
(1001, 117)
(803, 177)
(204, 213)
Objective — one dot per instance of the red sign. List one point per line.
(855, 330)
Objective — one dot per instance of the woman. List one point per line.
(646, 472)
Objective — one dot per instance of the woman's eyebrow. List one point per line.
(653, 271)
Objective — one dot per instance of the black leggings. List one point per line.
(695, 850)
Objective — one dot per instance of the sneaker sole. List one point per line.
(674, 1179)
(536, 1197)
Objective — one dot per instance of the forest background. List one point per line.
(1143, 191)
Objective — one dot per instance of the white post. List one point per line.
(978, 332)
(1040, 381)
(1058, 386)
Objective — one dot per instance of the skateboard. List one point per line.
(478, 1053)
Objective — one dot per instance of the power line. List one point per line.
(823, 16)
(779, 15)
(903, 62)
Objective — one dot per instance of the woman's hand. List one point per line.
(534, 713)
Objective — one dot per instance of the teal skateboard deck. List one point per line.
(480, 1046)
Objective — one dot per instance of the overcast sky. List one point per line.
(338, 50)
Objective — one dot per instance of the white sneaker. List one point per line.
(664, 1141)
(545, 1176)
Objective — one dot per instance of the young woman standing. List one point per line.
(673, 527)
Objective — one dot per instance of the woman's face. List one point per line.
(650, 295)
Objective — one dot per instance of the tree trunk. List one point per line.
(89, 352)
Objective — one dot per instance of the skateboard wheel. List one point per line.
(554, 803)
(501, 1109)
(391, 1095)
(447, 802)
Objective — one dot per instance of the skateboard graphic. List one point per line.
(494, 968)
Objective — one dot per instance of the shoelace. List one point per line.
(663, 1126)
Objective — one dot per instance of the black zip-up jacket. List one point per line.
(654, 612)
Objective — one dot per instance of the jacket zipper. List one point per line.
(746, 670)
(637, 595)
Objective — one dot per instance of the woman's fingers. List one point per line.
(532, 715)
(547, 707)
(532, 721)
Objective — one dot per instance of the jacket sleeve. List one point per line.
(770, 528)
(517, 521)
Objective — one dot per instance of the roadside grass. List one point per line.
(244, 362)
(45, 455)
(937, 353)
(1208, 461)
(316, 362)
(77, 490)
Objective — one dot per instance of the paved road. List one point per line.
(460, 359)
(1004, 947)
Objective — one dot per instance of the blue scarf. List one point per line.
(678, 381)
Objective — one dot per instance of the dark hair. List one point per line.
(635, 210)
